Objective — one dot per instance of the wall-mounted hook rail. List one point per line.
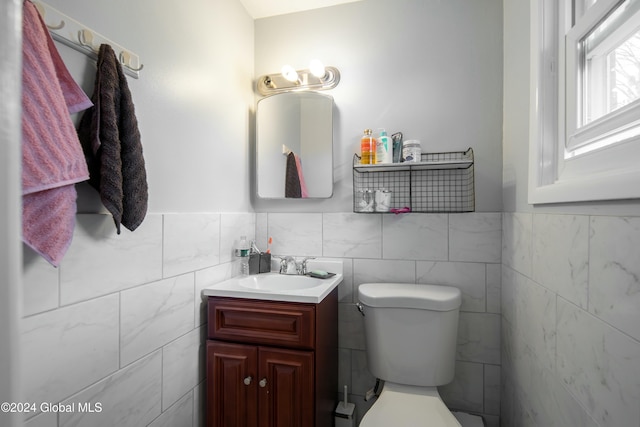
(125, 58)
(85, 38)
(77, 36)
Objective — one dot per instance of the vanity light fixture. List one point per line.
(316, 77)
(289, 73)
(317, 68)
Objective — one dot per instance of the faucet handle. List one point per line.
(284, 264)
(280, 258)
(303, 265)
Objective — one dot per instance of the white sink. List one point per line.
(279, 282)
(280, 287)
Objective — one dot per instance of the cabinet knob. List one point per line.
(263, 382)
(247, 380)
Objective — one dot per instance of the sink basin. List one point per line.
(280, 287)
(279, 282)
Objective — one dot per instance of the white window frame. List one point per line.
(608, 173)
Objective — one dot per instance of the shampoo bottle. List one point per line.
(368, 148)
(383, 148)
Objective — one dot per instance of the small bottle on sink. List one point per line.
(243, 248)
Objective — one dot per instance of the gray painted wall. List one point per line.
(431, 69)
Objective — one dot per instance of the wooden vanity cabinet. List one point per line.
(271, 363)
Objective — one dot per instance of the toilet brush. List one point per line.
(345, 415)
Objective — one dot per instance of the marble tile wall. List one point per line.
(462, 250)
(571, 316)
(120, 322)
(549, 316)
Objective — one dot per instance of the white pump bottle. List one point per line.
(384, 148)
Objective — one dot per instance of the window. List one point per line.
(585, 116)
(612, 68)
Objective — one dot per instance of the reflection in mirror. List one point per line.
(300, 123)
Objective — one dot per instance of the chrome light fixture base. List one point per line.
(270, 84)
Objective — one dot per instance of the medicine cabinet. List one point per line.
(298, 122)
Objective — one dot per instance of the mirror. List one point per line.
(298, 122)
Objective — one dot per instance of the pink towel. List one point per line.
(303, 185)
(48, 220)
(52, 158)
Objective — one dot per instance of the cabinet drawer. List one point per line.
(262, 322)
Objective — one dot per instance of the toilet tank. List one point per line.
(411, 331)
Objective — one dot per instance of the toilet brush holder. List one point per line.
(345, 414)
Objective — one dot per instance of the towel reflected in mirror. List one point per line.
(294, 185)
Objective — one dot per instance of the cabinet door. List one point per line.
(286, 393)
(231, 385)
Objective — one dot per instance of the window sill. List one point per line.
(593, 188)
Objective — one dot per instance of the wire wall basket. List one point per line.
(440, 182)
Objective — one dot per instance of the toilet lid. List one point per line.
(406, 295)
(394, 408)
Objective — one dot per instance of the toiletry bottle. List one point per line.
(368, 148)
(396, 138)
(383, 148)
(243, 250)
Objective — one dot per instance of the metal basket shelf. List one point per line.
(440, 182)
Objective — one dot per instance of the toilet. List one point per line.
(411, 334)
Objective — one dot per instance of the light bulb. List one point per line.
(289, 73)
(317, 68)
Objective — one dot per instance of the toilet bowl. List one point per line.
(409, 406)
(410, 333)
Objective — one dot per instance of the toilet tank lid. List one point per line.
(405, 295)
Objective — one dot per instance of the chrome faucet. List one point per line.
(289, 265)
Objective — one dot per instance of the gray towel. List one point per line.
(292, 187)
(111, 141)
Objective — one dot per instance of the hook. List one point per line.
(57, 27)
(125, 59)
(134, 69)
(85, 37)
(42, 13)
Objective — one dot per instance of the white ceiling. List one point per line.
(264, 8)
